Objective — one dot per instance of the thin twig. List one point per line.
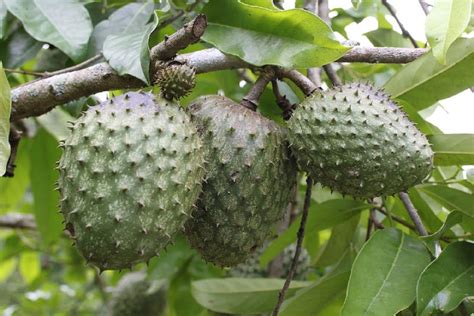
(420, 228)
(405, 33)
(282, 101)
(332, 75)
(80, 66)
(424, 6)
(14, 140)
(299, 243)
(18, 221)
(250, 100)
(25, 72)
(178, 15)
(305, 85)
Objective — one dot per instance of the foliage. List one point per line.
(353, 272)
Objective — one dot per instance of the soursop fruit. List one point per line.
(247, 188)
(135, 295)
(252, 269)
(130, 174)
(356, 140)
(175, 79)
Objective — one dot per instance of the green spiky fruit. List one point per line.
(252, 269)
(247, 189)
(135, 295)
(356, 140)
(130, 173)
(175, 80)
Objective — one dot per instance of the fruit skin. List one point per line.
(250, 175)
(130, 174)
(175, 79)
(252, 269)
(135, 295)
(356, 140)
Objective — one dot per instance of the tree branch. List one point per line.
(16, 220)
(38, 97)
(420, 228)
(332, 75)
(424, 6)
(299, 244)
(250, 100)
(405, 33)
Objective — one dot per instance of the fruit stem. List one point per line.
(299, 244)
(250, 100)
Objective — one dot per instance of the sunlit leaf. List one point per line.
(446, 22)
(453, 149)
(424, 81)
(452, 199)
(29, 266)
(5, 109)
(257, 35)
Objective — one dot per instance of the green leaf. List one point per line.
(128, 53)
(321, 216)
(338, 243)
(291, 38)
(56, 122)
(241, 296)
(424, 81)
(387, 38)
(29, 266)
(445, 23)
(453, 149)
(313, 299)
(3, 17)
(19, 48)
(447, 280)
(268, 4)
(452, 219)
(384, 274)
(12, 190)
(452, 199)
(65, 24)
(44, 155)
(7, 267)
(5, 109)
(130, 18)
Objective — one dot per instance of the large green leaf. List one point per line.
(268, 4)
(3, 16)
(19, 48)
(128, 52)
(291, 38)
(453, 149)
(5, 109)
(452, 199)
(445, 23)
(130, 18)
(241, 296)
(65, 24)
(424, 81)
(384, 274)
(313, 299)
(447, 280)
(44, 155)
(452, 219)
(321, 216)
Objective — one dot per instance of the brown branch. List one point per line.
(305, 85)
(250, 100)
(332, 75)
(14, 140)
(405, 33)
(299, 244)
(36, 98)
(282, 102)
(424, 6)
(19, 221)
(190, 33)
(420, 228)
